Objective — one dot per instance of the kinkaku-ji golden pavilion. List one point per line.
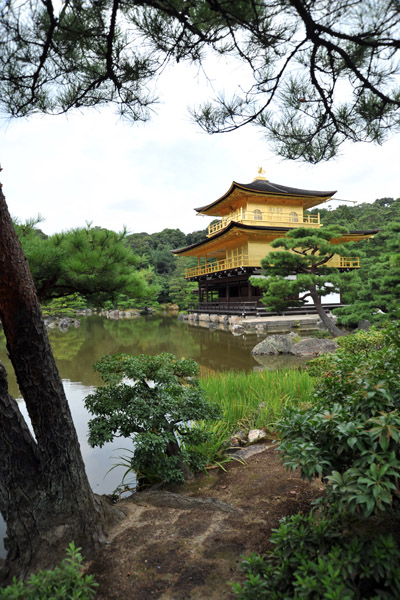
(251, 216)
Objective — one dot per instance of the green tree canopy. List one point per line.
(314, 73)
(378, 293)
(154, 251)
(299, 270)
(97, 263)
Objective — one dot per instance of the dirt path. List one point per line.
(186, 543)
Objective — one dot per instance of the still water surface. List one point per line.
(78, 348)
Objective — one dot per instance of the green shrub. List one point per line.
(155, 399)
(66, 306)
(351, 433)
(315, 558)
(66, 581)
(363, 341)
(350, 436)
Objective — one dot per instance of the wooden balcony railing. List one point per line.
(251, 217)
(221, 265)
(344, 262)
(340, 262)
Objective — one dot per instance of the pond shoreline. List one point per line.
(242, 325)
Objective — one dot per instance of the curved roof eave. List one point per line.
(260, 186)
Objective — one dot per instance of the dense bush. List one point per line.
(351, 433)
(350, 437)
(155, 399)
(64, 582)
(315, 558)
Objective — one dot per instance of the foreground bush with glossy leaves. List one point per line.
(153, 400)
(315, 557)
(350, 435)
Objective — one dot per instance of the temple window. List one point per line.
(294, 217)
(257, 215)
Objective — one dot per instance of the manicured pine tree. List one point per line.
(299, 271)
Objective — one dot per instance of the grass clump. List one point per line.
(257, 399)
(248, 401)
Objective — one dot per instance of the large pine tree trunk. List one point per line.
(327, 321)
(45, 496)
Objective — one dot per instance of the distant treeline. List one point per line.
(154, 251)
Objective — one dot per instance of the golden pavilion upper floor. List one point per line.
(264, 203)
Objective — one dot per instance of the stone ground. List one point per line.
(186, 543)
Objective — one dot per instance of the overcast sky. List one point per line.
(93, 167)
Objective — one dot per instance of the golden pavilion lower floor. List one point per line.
(232, 293)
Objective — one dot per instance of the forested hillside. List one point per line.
(362, 216)
(154, 252)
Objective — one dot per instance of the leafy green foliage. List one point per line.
(65, 581)
(155, 399)
(65, 306)
(379, 291)
(154, 252)
(350, 437)
(96, 263)
(315, 557)
(300, 270)
(351, 433)
(182, 292)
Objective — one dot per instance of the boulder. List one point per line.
(255, 435)
(313, 347)
(363, 325)
(238, 438)
(276, 344)
(237, 329)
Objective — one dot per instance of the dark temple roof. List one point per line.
(262, 186)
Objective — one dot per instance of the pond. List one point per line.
(78, 348)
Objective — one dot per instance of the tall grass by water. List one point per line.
(249, 401)
(255, 400)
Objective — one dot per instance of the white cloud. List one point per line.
(94, 167)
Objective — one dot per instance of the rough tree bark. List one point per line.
(45, 497)
(327, 321)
